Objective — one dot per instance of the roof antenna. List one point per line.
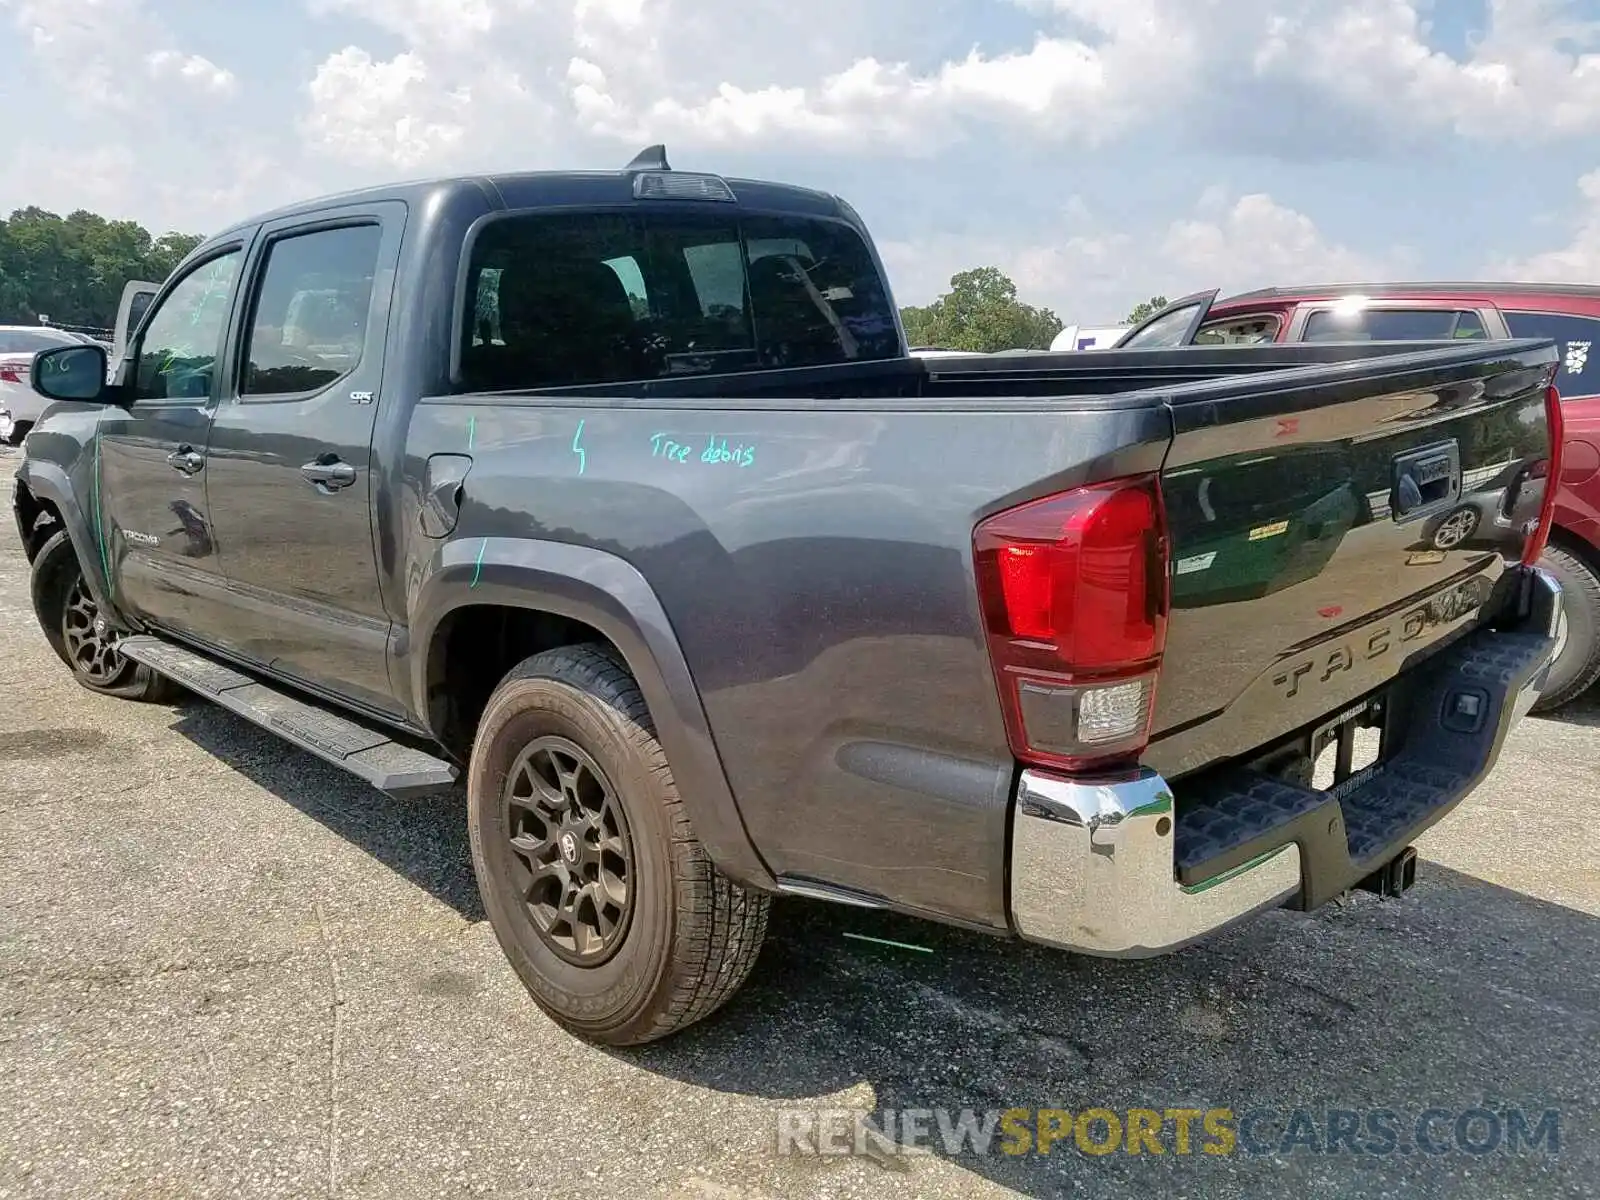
(651, 158)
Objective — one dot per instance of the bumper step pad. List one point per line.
(390, 766)
(1454, 718)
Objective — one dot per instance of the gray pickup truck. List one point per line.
(618, 494)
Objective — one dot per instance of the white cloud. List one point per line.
(1576, 262)
(384, 113)
(86, 45)
(420, 22)
(1325, 76)
(193, 69)
(1088, 274)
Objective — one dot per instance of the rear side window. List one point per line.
(1393, 325)
(559, 299)
(1578, 342)
(310, 316)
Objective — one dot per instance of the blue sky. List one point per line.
(1097, 150)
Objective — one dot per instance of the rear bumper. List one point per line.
(1123, 867)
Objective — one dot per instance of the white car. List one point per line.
(20, 405)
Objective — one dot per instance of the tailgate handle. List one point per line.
(1426, 480)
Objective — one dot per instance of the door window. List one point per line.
(1164, 332)
(1577, 341)
(178, 349)
(308, 326)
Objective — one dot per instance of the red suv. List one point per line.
(1428, 311)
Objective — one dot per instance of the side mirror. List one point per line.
(70, 373)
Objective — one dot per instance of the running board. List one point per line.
(388, 765)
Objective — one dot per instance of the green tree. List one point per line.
(73, 268)
(981, 312)
(1146, 309)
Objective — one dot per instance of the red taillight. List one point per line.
(11, 372)
(1074, 595)
(1550, 471)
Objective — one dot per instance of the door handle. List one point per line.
(329, 474)
(186, 459)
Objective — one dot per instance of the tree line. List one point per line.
(982, 313)
(72, 269)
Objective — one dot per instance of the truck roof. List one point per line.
(532, 189)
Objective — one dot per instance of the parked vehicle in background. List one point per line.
(136, 298)
(620, 495)
(1088, 337)
(1568, 314)
(20, 405)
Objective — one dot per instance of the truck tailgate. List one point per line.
(1329, 525)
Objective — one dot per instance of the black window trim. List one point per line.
(135, 348)
(1484, 313)
(1594, 318)
(261, 260)
(458, 317)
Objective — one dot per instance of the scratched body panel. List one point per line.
(816, 568)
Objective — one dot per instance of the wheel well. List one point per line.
(473, 649)
(40, 518)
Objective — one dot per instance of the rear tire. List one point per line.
(607, 906)
(1577, 667)
(70, 619)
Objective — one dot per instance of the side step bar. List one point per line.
(388, 765)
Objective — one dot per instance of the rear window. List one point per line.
(568, 299)
(31, 341)
(1578, 341)
(1393, 325)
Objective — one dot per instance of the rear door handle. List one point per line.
(329, 473)
(186, 459)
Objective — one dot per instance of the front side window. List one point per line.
(560, 299)
(178, 349)
(309, 322)
(1393, 325)
(1577, 342)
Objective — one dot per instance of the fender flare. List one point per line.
(606, 592)
(49, 482)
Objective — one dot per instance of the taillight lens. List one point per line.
(14, 372)
(1073, 590)
(1550, 471)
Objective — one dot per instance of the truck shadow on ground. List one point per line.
(425, 841)
(1461, 995)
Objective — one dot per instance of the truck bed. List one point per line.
(809, 536)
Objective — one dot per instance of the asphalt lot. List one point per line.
(229, 969)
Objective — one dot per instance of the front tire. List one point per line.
(605, 903)
(1577, 667)
(72, 625)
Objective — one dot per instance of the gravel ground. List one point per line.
(230, 969)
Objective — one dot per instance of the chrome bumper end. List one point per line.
(1092, 870)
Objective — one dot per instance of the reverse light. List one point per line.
(1550, 471)
(1073, 590)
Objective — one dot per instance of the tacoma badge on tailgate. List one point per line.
(1326, 661)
